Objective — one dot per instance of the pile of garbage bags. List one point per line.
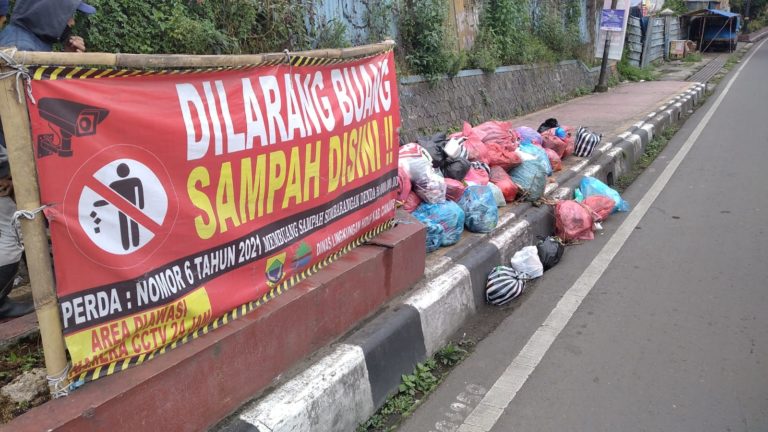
(480, 169)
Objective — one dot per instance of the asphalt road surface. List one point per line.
(667, 329)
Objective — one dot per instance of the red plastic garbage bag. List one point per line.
(573, 221)
(553, 142)
(411, 202)
(570, 141)
(554, 160)
(500, 133)
(454, 189)
(476, 149)
(477, 176)
(502, 156)
(601, 206)
(404, 184)
(503, 181)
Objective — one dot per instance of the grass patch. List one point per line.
(693, 58)
(652, 151)
(415, 387)
(23, 356)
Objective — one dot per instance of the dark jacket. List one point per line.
(44, 20)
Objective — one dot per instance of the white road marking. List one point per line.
(492, 406)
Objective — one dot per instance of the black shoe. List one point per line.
(15, 309)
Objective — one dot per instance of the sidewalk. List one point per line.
(344, 383)
(343, 388)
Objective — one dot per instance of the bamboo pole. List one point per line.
(139, 61)
(18, 138)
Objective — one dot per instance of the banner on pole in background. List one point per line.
(180, 200)
(617, 35)
(612, 20)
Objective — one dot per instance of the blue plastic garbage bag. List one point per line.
(480, 210)
(434, 235)
(448, 216)
(540, 154)
(591, 186)
(529, 135)
(530, 176)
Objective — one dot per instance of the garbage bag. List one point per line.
(498, 195)
(480, 211)
(586, 142)
(502, 156)
(434, 145)
(573, 221)
(477, 176)
(529, 135)
(412, 201)
(548, 124)
(454, 189)
(500, 133)
(454, 148)
(591, 186)
(456, 168)
(554, 160)
(434, 235)
(526, 261)
(427, 182)
(473, 143)
(539, 153)
(501, 179)
(403, 183)
(530, 177)
(448, 215)
(550, 251)
(504, 285)
(600, 205)
(554, 142)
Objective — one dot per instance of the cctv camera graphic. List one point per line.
(67, 119)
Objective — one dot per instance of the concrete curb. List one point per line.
(345, 387)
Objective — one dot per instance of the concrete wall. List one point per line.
(476, 96)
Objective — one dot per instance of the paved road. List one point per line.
(673, 335)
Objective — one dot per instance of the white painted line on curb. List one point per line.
(444, 303)
(328, 395)
(493, 404)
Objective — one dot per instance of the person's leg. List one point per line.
(10, 254)
(11, 308)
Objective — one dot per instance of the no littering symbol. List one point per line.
(122, 206)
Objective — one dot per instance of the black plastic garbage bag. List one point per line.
(434, 146)
(550, 251)
(456, 168)
(548, 124)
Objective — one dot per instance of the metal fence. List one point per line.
(646, 47)
(634, 45)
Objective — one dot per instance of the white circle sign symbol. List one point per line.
(122, 207)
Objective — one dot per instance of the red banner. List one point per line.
(176, 198)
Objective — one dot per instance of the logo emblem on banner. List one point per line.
(302, 257)
(275, 266)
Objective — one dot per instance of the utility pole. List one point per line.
(747, 6)
(602, 85)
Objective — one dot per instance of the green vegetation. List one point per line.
(678, 6)
(423, 37)
(414, 388)
(508, 36)
(627, 72)
(23, 356)
(693, 58)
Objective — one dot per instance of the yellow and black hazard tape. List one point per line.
(47, 73)
(235, 313)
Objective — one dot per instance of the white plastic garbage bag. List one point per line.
(527, 261)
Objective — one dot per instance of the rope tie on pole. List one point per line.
(58, 383)
(21, 73)
(26, 214)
